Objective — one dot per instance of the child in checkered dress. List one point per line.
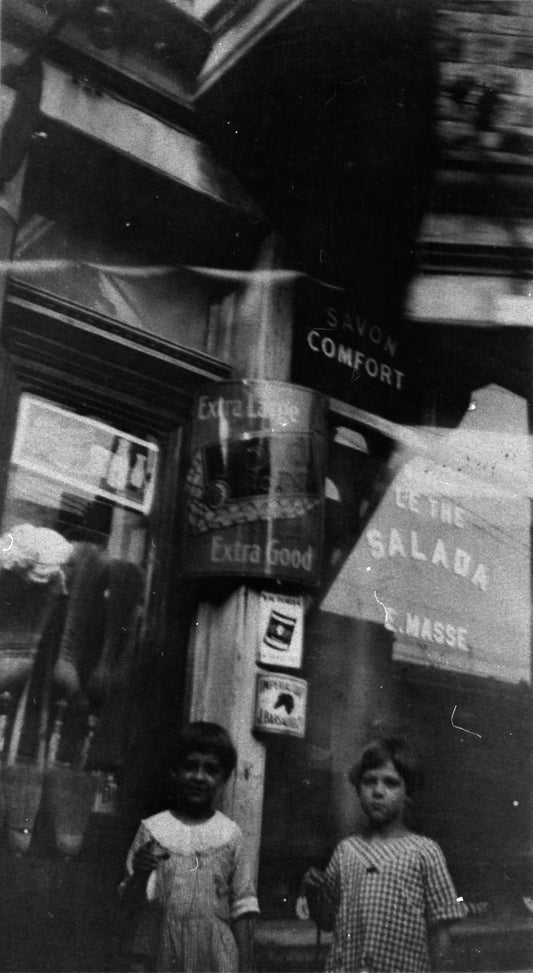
(387, 894)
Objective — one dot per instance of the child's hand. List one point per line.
(313, 880)
(321, 910)
(148, 856)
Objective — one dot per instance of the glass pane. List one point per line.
(73, 579)
(112, 280)
(422, 627)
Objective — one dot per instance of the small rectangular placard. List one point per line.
(84, 453)
(281, 704)
(280, 630)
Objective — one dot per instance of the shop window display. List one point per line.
(421, 627)
(74, 564)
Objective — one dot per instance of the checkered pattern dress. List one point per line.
(386, 894)
(193, 896)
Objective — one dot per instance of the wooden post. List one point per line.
(10, 198)
(20, 96)
(256, 327)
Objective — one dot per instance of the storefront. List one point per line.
(421, 623)
(107, 334)
(236, 492)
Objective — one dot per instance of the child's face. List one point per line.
(198, 780)
(382, 795)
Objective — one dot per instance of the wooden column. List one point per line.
(256, 333)
(10, 192)
(18, 111)
(20, 96)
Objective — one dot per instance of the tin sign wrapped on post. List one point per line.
(281, 704)
(280, 630)
(255, 486)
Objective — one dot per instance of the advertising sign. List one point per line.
(84, 453)
(343, 352)
(281, 630)
(444, 562)
(255, 486)
(281, 703)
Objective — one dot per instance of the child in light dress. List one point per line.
(198, 899)
(386, 893)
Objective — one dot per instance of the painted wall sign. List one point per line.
(85, 454)
(444, 563)
(280, 630)
(281, 704)
(255, 486)
(341, 351)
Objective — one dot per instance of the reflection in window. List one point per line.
(73, 570)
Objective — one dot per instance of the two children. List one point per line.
(386, 893)
(197, 895)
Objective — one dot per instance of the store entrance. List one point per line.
(92, 645)
(74, 565)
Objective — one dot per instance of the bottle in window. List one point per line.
(119, 467)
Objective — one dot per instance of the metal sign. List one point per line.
(347, 354)
(255, 485)
(444, 562)
(281, 704)
(281, 630)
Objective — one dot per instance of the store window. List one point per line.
(300, 812)
(421, 626)
(75, 563)
(80, 266)
(94, 621)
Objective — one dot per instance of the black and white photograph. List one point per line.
(266, 482)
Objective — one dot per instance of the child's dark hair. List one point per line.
(396, 749)
(205, 738)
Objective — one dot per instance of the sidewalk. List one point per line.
(481, 945)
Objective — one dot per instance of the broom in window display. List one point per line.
(83, 630)
(5, 712)
(70, 791)
(37, 568)
(124, 593)
(32, 578)
(122, 611)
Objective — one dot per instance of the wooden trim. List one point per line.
(143, 385)
(487, 261)
(8, 413)
(93, 358)
(462, 683)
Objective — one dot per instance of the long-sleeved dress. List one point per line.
(204, 884)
